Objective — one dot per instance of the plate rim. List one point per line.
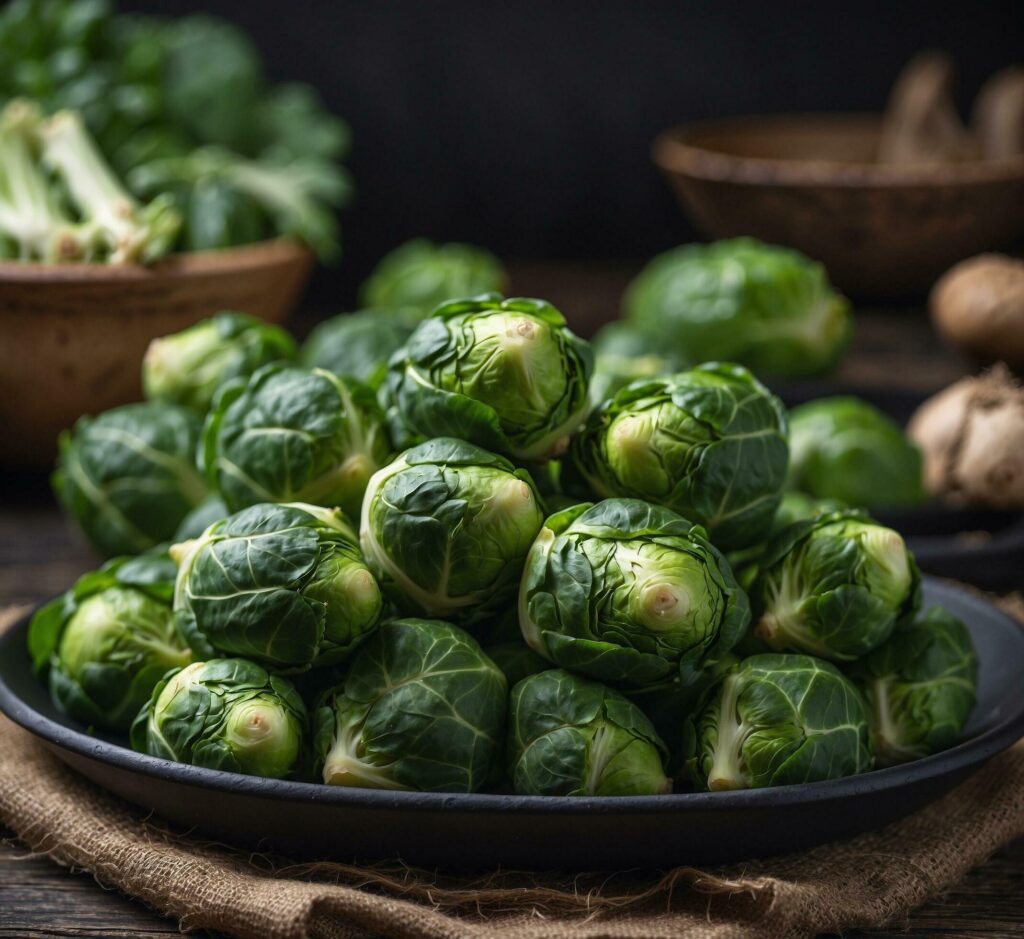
(969, 753)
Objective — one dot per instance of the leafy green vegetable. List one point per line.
(569, 736)
(357, 345)
(188, 367)
(623, 354)
(127, 476)
(920, 687)
(625, 591)
(419, 275)
(503, 374)
(183, 103)
(108, 640)
(284, 585)
(775, 720)
(834, 586)
(709, 444)
(846, 449)
(226, 714)
(294, 435)
(422, 707)
(447, 527)
(768, 308)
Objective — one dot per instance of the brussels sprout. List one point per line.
(420, 274)
(188, 367)
(357, 345)
(211, 509)
(294, 435)
(709, 443)
(834, 586)
(629, 592)
(504, 374)
(775, 720)
(282, 584)
(920, 687)
(226, 714)
(516, 661)
(843, 448)
(109, 640)
(422, 707)
(623, 354)
(448, 525)
(128, 476)
(797, 506)
(768, 308)
(569, 736)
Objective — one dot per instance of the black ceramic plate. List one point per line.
(984, 547)
(531, 831)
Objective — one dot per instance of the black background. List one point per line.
(526, 126)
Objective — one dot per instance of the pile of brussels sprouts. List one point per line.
(417, 554)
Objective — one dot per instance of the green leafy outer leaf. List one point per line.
(422, 708)
(128, 478)
(283, 585)
(623, 354)
(294, 435)
(834, 586)
(920, 687)
(516, 661)
(447, 527)
(357, 345)
(846, 449)
(211, 509)
(775, 720)
(419, 275)
(630, 592)
(188, 367)
(226, 714)
(503, 374)
(768, 308)
(570, 736)
(709, 443)
(107, 641)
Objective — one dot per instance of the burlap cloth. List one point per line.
(872, 880)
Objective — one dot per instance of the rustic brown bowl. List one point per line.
(72, 337)
(811, 182)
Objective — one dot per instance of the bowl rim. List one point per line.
(678, 151)
(961, 757)
(238, 258)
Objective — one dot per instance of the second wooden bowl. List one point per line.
(811, 182)
(72, 337)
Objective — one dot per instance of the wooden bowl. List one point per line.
(72, 337)
(811, 182)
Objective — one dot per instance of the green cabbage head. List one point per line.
(226, 714)
(768, 308)
(629, 592)
(507, 375)
(846, 449)
(446, 527)
(284, 585)
(188, 367)
(419, 275)
(834, 586)
(920, 687)
(107, 641)
(422, 707)
(294, 435)
(570, 736)
(357, 345)
(128, 477)
(709, 444)
(624, 354)
(775, 720)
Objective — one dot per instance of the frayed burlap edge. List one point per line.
(872, 880)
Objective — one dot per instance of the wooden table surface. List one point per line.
(39, 556)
